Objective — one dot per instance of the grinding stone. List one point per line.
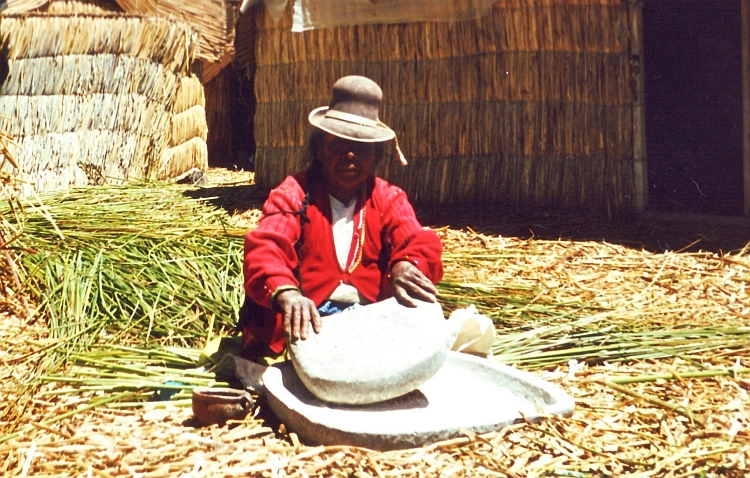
(373, 352)
(467, 393)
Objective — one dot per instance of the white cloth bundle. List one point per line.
(475, 331)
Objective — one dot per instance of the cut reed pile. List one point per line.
(529, 105)
(609, 434)
(139, 265)
(9, 187)
(94, 98)
(652, 346)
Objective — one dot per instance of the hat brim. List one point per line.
(347, 130)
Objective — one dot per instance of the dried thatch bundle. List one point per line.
(189, 93)
(21, 6)
(176, 159)
(101, 98)
(213, 19)
(529, 105)
(9, 188)
(167, 42)
(189, 131)
(90, 7)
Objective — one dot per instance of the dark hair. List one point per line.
(315, 142)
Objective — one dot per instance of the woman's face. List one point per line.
(346, 165)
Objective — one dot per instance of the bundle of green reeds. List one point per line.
(143, 273)
(139, 264)
(529, 105)
(9, 188)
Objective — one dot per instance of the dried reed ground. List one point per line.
(668, 427)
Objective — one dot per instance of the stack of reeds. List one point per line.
(189, 131)
(6, 157)
(94, 98)
(10, 281)
(529, 105)
(106, 258)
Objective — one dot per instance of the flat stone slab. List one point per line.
(374, 352)
(468, 392)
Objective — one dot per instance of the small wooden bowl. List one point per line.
(217, 405)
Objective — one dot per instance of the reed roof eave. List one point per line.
(8, 7)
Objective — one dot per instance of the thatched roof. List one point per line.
(212, 19)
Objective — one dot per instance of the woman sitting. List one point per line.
(334, 236)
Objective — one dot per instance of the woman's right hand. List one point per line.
(299, 312)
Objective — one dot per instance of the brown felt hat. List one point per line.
(353, 111)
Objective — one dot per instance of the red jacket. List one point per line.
(391, 234)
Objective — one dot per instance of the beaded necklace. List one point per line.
(360, 245)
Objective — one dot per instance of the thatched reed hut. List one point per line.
(93, 95)
(213, 20)
(534, 104)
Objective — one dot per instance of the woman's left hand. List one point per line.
(410, 284)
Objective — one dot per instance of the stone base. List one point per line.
(467, 393)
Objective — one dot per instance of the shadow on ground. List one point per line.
(234, 199)
(652, 233)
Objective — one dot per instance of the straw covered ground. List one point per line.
(653, 347)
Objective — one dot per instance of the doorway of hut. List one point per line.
(693, 81)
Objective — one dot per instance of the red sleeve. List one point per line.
(270, 257)
(407, 239)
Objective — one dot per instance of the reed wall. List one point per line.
(219, 116)
(530, 105)
(94, 98)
